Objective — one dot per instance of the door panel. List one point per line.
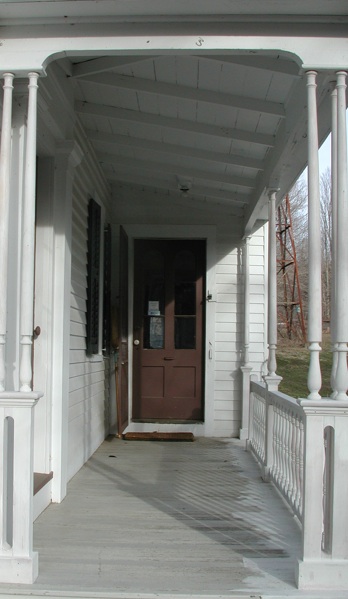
(168, 336)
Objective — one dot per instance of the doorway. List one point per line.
(169, 291)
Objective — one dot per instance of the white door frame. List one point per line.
(207, 233)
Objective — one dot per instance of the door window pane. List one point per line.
(185, 332)
(185, 300)
(154, 332)
(154, 300)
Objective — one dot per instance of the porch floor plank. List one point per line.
(167, 518)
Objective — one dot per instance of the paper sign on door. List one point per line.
(153, 308)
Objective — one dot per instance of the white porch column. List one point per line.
(314, 244)
(333, 324)
(28, 240)
(341, 297)
(246, 368)
(272, 379)
(5, 164)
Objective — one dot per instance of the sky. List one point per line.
(325, 153)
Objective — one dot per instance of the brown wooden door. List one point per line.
(122, 366)
(168, 330)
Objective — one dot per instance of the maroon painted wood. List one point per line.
(168, 330)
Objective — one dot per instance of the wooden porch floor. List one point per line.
(167, 518)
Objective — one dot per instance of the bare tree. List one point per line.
(299, 212)
(326, 247)
(292, 238)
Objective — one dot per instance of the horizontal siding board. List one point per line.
(226, 385)
(77, 302)
(77, 316)
(77, 329)
(78, 398)
(79, 290)
(78, 275)
(232, 336)
(227, 415)
(80, 382)
(86, 368)
(77, 343)
(221, 404)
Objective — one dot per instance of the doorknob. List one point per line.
(136, 342)
(168, 358)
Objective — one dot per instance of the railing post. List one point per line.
(324, 566)
(18, 561)
(265, 472)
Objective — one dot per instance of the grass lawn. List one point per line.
(292, 362)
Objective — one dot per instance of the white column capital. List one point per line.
(272, 192)
(311, 78)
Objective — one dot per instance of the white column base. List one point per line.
(243, 434)
(322, 574)
(20, 570)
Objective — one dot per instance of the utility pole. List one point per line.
(290, 311)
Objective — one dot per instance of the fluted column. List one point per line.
(28, 240)
(341, 299)
(314, 244)
(5, 164)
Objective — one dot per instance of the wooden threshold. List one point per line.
(156, 436)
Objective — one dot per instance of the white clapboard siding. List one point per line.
(229, 328)
(88, 376)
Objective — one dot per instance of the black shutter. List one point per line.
(107, 291)
(93, 277)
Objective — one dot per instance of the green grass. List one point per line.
(292, 365)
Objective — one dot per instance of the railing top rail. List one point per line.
(277, 398)
(259, 388)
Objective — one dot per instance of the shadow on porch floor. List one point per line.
(173, 518)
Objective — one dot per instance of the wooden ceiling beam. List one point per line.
(146, 86)
(105, 63)
(263, 63)
(223, 197)
(150, 120)
(173, 149)
(120, 163)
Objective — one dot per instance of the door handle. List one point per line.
(168, 358)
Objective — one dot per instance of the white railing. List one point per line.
(276, 439)
(302, 448)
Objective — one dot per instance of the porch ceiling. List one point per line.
(216, 128)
